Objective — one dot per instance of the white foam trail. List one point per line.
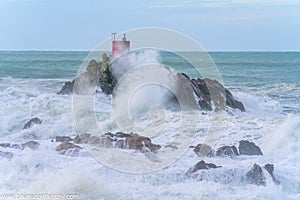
(285, 141)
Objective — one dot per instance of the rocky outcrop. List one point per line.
(255, 176)
(202, 165)
(203, 150)
(270, 169)
(213, 95)
(225, 151)
(96, 74)
(67, 88)
(249, 148)
(245, 148)
(71, 146)
(118, 140)
(31, 122)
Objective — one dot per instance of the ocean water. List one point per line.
(268, 83)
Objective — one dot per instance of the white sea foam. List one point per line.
(46, 171)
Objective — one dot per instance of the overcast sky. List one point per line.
(216, 25)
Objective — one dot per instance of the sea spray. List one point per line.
(285, 141)
(49, 172)
(128, 61)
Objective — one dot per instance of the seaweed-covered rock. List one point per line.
(256, 176)
(249, 148)
(31, 122)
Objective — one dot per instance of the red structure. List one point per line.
(119, 47)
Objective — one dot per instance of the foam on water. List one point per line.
(271, 120)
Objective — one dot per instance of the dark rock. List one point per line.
(184, 93)
(204, 105)
(211, 92)
(31, 145)
(67, 88)
(203, 150)
(7, 155)
(31, 122)
(97, 74)
(249, 148)
(63, 138)
(202, 165)
(118, 140)
(256, 176)
(5, 145)
(270, 170)
(65, 146)
(230, 151)
(106, 88)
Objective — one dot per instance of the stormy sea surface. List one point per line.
(268, 84)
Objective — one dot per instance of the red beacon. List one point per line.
(119, 47)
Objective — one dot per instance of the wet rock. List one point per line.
(31, 145)
(96, 74)
(249, 148)
(63, 138)
(106, 88)
(230, 151)
(204, 105)
(67, 88)
(133, 141)
(256, 176)
(270, 170)
(211, 92)
(118, 140)
(203, 150)
(202, 165)
(7, 155)
(31, 122)
(5, 145)
(65, 146)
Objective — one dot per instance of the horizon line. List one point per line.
(84, 50)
